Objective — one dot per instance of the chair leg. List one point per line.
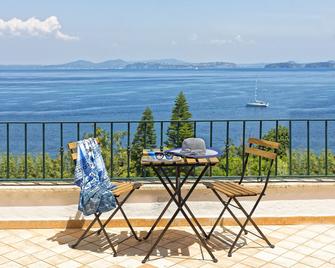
(119, 207)
(218, 219)
(254, 223)
(97, 215)
(226, 207)
(107, 237)
(249, 218)
(128, 222)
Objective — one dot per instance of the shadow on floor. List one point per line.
(174, 243)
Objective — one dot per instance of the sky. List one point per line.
(240, 31)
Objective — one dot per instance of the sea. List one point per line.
(42, 95)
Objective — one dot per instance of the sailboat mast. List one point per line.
(256, 90)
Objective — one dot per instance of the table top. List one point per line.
(177, 161)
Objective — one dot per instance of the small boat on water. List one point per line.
(255, 102)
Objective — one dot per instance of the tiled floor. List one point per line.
(295, 246)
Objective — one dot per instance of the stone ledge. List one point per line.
(118, 223)
(58, 195)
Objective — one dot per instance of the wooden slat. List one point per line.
(72, 145)
(74, 156)
(190, 161)
(226, 191)
(202, 161)
(265, 143)
(181, 162)
(127, 187)
(213, 160)
(240, 187)
(261, 153)
(233, 189)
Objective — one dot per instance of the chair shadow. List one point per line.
(226, 237)
(175, 243)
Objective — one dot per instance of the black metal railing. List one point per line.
(38, 151)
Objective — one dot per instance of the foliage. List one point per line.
(116, 159)
(283, 139)
(178, 131)
(145, 137)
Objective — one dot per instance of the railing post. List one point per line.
(243, 142)
(259, 158)
(43, 150)
(7, 149)
(194, 129)
(308, 145)
(178, 138)
(227, 149)
(161, 134)
(61, 152)
(112, 149)
(144, 173)
(276, 160)
(78, 131)
(326, 147)
(290, 146)
(145, 134)
(95, 129)
(210, 143)
(25, 151)
(128, 150)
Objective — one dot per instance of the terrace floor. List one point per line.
(295, 246)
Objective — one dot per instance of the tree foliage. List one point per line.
(145, 137)
(282, 137)
(178, 131)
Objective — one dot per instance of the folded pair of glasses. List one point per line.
(161, 155)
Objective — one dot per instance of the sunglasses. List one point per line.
(161, 155)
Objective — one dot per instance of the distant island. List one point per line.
(119, 64)
(166, 64)
(293, 64)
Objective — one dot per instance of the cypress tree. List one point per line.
(145, 137)
(178, 131)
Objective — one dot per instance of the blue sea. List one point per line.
(88, 95)
(114, 95)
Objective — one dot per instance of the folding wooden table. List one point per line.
(174, 190)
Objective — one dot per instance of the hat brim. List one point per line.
(210, 152)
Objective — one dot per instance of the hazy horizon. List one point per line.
(150, 60)
(243, 32)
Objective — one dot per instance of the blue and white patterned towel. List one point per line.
(91, 176)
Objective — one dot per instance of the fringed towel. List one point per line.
(91, 176)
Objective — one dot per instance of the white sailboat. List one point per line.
(257, 103)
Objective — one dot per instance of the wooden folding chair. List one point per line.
(233, 190)
(121, 188)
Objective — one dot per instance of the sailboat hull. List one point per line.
(257, 104)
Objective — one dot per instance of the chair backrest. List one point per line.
(264, 149)
(73, 149)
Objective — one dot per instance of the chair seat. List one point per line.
(125, 187)
(232, 189)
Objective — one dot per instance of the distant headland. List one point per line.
(166, 64)
(293, 64)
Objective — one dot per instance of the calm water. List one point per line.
(123, 95)
(90, 95)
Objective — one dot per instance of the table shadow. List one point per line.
(175, 243)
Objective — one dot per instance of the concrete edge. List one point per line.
(137, 222)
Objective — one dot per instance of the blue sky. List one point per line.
(240, 31)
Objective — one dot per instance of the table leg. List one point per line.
(185, 205)
(180, 203)
(171, 199)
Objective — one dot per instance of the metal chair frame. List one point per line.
(119, 205)
(227, 204)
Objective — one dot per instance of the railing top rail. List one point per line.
(168, 121)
